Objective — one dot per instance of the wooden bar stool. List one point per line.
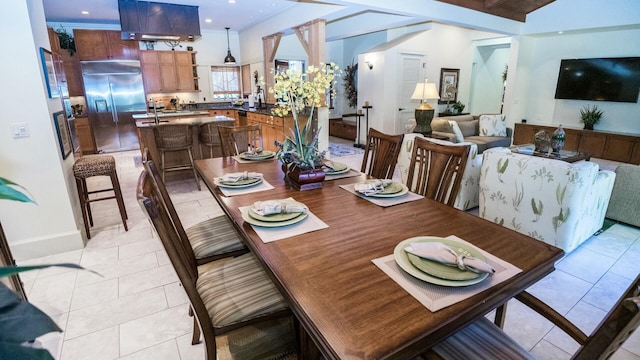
(102, 165)
(175, 138)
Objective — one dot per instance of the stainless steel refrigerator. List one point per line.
(114, 93)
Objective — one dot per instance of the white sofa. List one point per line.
(468, 195)
(560, 203)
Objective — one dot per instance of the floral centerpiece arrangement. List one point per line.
(296, 93)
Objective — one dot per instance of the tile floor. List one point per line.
(136, 309)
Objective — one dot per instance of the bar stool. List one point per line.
(89, 166)
(209, 137)
(173, 138)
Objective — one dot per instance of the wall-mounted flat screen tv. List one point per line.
(601, 79)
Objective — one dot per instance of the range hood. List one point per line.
(142, 20)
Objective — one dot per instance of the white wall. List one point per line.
(489, 63)
(537, 74)
(34, 162)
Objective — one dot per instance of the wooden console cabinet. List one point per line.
(342, 129)
(600, 144)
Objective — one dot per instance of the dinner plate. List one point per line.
(238, 184)
(394, 189)
(405, 264)
(264, 154)
(275, 217)
(448, 272)
(338, 168)
(248, 218)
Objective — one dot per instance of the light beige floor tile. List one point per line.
(147, 279)
(607, 291)
(93, 294)
(633, 343)
(117, 269)
(72, 257)
(154, 329)
(99, 345)
(608, 244)
(92, 257)
(586, 317)
(53, 293)
(628, 265)
(167, 350)
(175, 294)
(61, 321)
(163, 258)
(586, 264)
(525, 325)
(560, 290)
(546, 351)
(104, 315)
(142, 246)
(623, 354)
(188, 351)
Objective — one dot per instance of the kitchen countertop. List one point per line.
(170, 114)
(187, 120)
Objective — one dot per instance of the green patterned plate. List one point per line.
(264, 154)
(237, 184)
(248, 218)
(338, 168)
(405, 264)
(275, 217)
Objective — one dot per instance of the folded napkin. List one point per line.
(285, 206)
(328, 164)
(234, 177)
(253, 150)
(443, 254)
(372, 187)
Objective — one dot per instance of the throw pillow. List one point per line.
(493, 125)
(456, 131)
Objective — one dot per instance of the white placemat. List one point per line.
(350, 173)
(384, 202)
(264, 185)
(436, 297)
(240, 160)
(269, 234)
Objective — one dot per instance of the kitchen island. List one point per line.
(147, 140)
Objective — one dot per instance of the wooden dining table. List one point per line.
(346, 305)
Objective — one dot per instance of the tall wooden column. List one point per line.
(269, 48)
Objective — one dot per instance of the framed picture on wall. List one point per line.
(48, 67)
(64, 136)
(448, 85)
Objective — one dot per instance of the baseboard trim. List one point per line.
(49, 245)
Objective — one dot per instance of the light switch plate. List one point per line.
(19, 130)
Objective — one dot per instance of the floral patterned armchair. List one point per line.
(550, 200)
(468, 195)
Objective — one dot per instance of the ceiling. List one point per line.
(241, 14)
(510, 9)
(222, 13)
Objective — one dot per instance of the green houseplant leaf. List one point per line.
(8, 191)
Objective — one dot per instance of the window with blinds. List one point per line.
(225, 82)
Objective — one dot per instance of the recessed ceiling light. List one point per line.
(85, 12)
(232, 1)
(207, 20)
(560, 32)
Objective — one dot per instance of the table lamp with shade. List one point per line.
(424, 112)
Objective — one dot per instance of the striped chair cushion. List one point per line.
(212, 237)
(481, 340)
(237, 291)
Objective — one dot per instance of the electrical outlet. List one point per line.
(19, 130)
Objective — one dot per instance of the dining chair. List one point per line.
(381, 154)
(436, 169)
(211, 239)
(234, 139)
(175, 138)
(234, 294)
(484, 340)
(209, 137)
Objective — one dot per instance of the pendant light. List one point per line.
(229, 59)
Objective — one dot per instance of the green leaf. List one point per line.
(25, 321)
(12, 270)
(534, 207)
(502, 168)
(7, 191)
(19, 352)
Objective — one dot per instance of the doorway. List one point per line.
(411, 72)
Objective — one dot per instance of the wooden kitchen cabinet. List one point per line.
(246, 79)
(104, 45)
(85, 136)
(232, 113)
(273, 128)
(168, 71)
